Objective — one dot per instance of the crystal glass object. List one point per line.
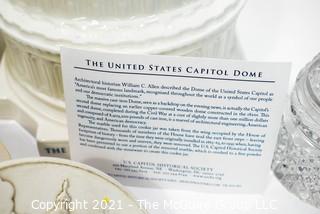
(296, 160)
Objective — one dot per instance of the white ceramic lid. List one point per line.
(155, 33)
(99, 9)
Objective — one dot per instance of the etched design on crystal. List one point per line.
(296, 160)
(305, 101)
(7, 199)
(297, 169)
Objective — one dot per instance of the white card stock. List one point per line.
(174, 122)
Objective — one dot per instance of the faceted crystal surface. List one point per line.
(296, 161)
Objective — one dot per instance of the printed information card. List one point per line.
(175, 122)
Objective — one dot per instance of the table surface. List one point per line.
(273, 30)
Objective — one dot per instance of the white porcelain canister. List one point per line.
(34, 31)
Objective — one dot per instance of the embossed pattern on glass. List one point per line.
(296, 161)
